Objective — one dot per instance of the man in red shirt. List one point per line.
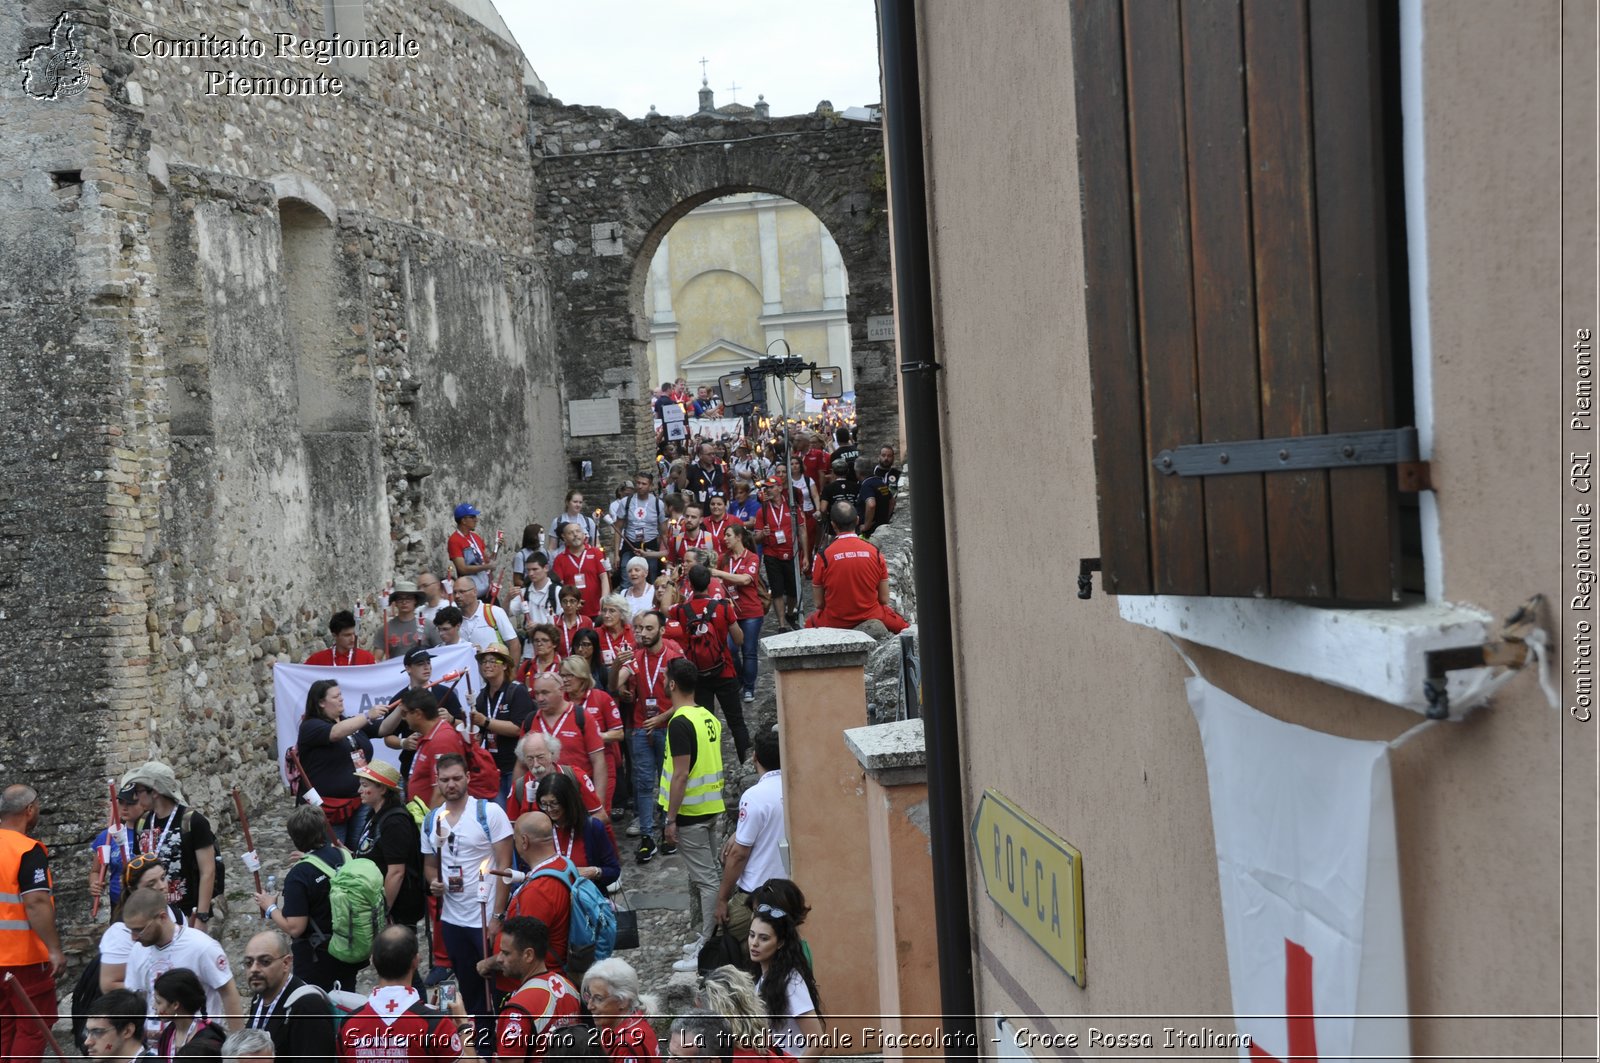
(774, 529)
(344, 650)
(469, 554)
(583, 568)
(642, 683)
(709, 624)
(439, 737)
(849, 581)
(689, 535)
(547, 898)
(581, 744)
(394, 1023)
(812, 455)
(543, 1002)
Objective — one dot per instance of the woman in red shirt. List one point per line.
(743, 575)
(578, 682)
(616, 628)
(544, 638)
(611, 989)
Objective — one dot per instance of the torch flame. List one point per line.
(483, 868)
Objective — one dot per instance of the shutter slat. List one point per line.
(1346, 92)
(1162, 266)
(1109, 297)
(1283, 214)
(1224, 287)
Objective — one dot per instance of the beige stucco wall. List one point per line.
(1082, 719)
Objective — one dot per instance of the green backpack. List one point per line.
(355, 895)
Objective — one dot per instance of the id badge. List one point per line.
(650, 706)
(579, 581)
(454, 880)
(608, 656)
(780, 536)
(358, 759)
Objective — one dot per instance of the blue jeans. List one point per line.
(464, 944)
(649, 749)
(752, 644)
(350, 830)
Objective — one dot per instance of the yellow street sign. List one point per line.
(1034, 876)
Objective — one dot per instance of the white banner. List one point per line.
(363, 686)
(1310, 882)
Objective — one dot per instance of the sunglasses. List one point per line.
(767, 909)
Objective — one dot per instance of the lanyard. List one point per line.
(557, 732)
(265, 1015)
(651, 680)
(566, 636)
(156, 848)
(572, 839)
(611, 644)
(783, 515)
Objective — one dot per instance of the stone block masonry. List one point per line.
(256, 350)
(611, 187)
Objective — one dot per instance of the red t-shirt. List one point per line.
(611, 645)
(717, 528)
(632, 1041)
(460, 540)
(679, 544)
(548, 900)
(602, 708)
(717, 615)
(778, 522)
(582, 571)
(650, 681)
(575, 747)
(342, 657)
(425, 765)
(565, 633)
(413, 1036)
(814, 461)
(849, 572)
(521, 799)
(746, 599)
(544, 1003)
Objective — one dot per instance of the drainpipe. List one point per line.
(913, 302)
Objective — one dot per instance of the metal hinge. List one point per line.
(1391, 446)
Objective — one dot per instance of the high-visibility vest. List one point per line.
(703, 795)
(19, 945)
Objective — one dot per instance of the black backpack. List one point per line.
(84, 993)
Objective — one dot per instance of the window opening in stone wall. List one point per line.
(734, 276)
(334, 396)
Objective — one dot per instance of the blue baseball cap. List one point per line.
(466, 509)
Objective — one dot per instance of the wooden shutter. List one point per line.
(1236, 253)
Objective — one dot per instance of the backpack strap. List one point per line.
(429, 821)
(304, 991)
(483, 818)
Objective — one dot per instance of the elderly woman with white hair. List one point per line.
(638, 591)
(611, 990)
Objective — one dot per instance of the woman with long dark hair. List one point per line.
(578, 836)
(331, 747)
(180, 999)
(786, 986)
(742, 574)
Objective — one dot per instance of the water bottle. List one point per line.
(272, 884)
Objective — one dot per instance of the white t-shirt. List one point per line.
(462, 847)
(477, 629)
(786, 1033)
(640, 603)
(761, 828)
(189, 949)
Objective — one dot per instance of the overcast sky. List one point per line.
(629, 54)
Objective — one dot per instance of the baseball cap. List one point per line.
(417, 656)
(466, 509)
(128, 794)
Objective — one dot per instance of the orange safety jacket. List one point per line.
(19, 945)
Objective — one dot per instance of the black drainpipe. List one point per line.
(913, 303)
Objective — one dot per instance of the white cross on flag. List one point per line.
(1310, 883)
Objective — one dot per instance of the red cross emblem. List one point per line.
(391, 1006)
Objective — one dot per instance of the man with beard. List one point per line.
(642, 681)
(295, 1014)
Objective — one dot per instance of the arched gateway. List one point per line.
(609, 188)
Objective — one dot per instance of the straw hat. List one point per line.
(497, 649)
(381, 772)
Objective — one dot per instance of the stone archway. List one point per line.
(610, 188)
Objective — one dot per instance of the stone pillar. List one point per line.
(895, 761)
(821, 694)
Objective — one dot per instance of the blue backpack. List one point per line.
(592, 929)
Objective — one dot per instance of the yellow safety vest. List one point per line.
(19, 945)
(703, 795)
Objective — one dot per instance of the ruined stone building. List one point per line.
(266, 317)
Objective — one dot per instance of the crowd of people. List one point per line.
(615, 645)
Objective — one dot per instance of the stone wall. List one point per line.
(610, 188)
(261, 353)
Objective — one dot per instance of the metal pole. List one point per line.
(788, 488)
